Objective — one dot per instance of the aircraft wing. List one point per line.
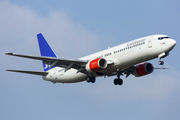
(30, 72)
(129, 70)
(53, 61)
(49, 59)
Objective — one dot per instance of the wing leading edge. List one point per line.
(81, 62)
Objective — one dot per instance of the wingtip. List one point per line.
(8, 53)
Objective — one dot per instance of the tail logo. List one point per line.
(46, 66)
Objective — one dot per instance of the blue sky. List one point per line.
(76, 28)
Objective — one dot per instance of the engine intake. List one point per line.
(143, 69)
(96, 65)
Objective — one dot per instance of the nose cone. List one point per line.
(173, 43)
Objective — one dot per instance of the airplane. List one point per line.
(125, 59)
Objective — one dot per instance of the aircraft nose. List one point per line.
(173, 42)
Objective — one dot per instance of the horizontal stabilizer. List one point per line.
(30, 72)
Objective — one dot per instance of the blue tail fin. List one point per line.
(45, 49)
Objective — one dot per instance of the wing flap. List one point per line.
(30, 72)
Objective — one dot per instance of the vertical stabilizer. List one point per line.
(45, 49)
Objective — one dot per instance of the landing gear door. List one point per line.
(150, 42)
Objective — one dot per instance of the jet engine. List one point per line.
(96, 65)
(143, 69)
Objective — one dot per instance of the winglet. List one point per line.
(45, 49)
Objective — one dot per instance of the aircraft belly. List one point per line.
(71, 76)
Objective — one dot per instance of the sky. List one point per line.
(76, 28)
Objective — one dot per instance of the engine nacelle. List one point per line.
(143, 69)
(96, 65)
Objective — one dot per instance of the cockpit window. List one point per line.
(160, 38)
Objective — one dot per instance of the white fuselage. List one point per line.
(122, 56)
